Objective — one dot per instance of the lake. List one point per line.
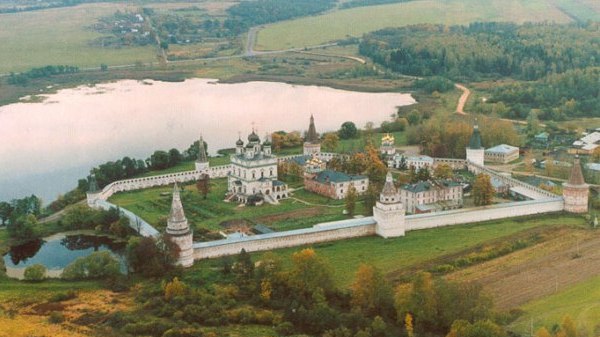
(47, 146)
(58, 251)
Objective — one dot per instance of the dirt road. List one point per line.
(460, 107)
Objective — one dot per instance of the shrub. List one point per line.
(96, 265)
(63, 296)
(285, 329)
(35, 273)
(56, 317)
(183, 332)
(154, 327)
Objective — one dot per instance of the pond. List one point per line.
(47, 146)
(58, 251)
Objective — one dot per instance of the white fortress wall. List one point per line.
(484, 213)
(138, 224)
(539, 192)
(319, 233)
(161, 180)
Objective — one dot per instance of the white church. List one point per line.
(253, 176)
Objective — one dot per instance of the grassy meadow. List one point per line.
(61, 36)
(357, 21)
(153, 205)
(393, 255)
(580, 302)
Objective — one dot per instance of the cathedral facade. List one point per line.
(253, 176)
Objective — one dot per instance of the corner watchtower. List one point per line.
(576, 191)
(389, 211)
(179, 231)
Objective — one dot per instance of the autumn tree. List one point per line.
(528, 160)
(309, 273)
(483, 191)
(203, 185)
(443, 171)
(568, 328)
(408, 325)
(174, 288)
(330, 142)
(350, 201)
(371, 293)
(376, 168)
(543, 332)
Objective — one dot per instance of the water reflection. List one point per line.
(58, 251)
(45, 147)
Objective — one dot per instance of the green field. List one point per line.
(357, 21)
(61, 36)
(581, 302)
(416, 247)
(153, 205)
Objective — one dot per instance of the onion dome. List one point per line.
(253, 137)
(267, 141)
(239, 142)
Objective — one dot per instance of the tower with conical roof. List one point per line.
(202, 161)
(179, 231)
(389, 211)
(475, 150)
(576, 191)
(312, 144)
(93, 192)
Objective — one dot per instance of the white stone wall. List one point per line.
(204, 250)
(485, 213)
(161, 180)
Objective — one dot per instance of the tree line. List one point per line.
(301, 297)
(41, 72)
(252, 13)
(485, 50)
(447, 137)
(363, 3)
(572, 94)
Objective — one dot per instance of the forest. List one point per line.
(485, 50)
(572, 94)
(362, 3)
(550, 68)
(251, 13)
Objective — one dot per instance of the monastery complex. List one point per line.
(252, 179)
